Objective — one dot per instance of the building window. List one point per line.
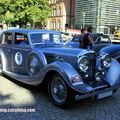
(52, 14)
(59, 25)
(59, 11)
(54, 11)
(53, 25)
(54, 1)
(59, 0)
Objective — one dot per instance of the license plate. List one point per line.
(105, 94)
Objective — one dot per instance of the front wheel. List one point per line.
(60, 93)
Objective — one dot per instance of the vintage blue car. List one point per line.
(38, 57)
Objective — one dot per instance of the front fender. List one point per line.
(113, 73)
(67, 71)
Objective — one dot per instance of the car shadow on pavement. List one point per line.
(40, 97)
(4, 97)
(35, 91)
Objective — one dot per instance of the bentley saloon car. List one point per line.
(38, 57)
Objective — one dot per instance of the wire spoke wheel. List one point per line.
(58, 90)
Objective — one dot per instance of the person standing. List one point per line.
(83, 32)
(87, 39)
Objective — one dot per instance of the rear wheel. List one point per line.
(59, 92)
(33, 65)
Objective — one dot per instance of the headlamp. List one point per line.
(106, 60)
(83, 63)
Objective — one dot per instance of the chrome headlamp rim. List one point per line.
(81, 63)
(104, 60)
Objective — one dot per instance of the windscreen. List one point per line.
(37, 38)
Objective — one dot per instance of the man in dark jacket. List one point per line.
(87, 39)
(83, 32)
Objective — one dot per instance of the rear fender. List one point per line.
(41, 57)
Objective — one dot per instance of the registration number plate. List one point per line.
(105, 94)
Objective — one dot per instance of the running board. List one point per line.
(24, 78)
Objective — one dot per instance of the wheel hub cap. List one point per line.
(58, 90)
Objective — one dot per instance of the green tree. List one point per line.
(4, 7)
(25, 11)
(1, 18)
(9, 18)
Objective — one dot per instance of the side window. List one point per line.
(7, 38)
(57, 38)
(39, 38)
(21, 39)
(45, 37)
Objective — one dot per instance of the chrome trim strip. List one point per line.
(85, 52)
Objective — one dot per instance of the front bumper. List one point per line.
(93, 93)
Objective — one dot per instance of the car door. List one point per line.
(74, 43)
(7, 47)
(21, 51)
(103, 41)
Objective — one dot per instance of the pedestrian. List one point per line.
(87, 39)
(83, 32)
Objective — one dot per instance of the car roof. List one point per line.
(26, 31)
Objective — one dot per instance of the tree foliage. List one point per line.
(9, 17)
(24, 11)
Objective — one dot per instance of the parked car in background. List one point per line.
(117, 35)
(100, 41)
(38, 57)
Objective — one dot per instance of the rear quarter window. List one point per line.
(6, 38)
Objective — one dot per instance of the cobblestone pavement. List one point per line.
(14, 95)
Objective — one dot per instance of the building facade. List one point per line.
(103, 15)
(62, 16)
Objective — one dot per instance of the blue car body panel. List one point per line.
(113, 51)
